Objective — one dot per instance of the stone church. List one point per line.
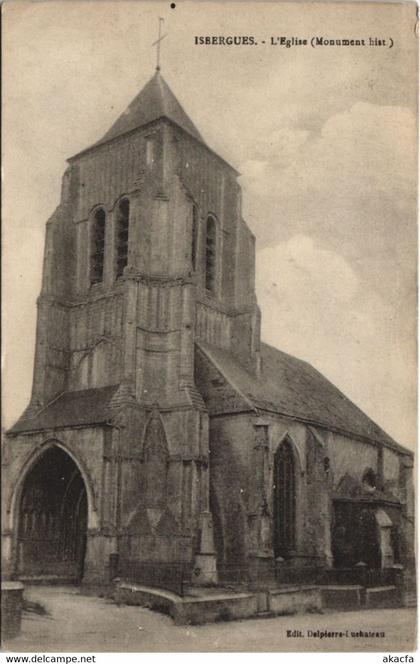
(161, 430)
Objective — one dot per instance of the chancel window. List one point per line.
(122, 231)
(194, 237)
(98, 247)
(211, 254)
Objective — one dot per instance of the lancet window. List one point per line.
(122, 232)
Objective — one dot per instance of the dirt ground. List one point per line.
(79, 623)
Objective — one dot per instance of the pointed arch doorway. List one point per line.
(284, 503)
(52, 521)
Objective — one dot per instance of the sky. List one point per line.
(324, 139)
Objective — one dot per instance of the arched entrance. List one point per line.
(284, 507)
(52, 518)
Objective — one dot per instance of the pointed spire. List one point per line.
(156, 100)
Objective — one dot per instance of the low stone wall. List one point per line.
(188, 610)
(383, 597)
(221, 608)
(343, 597)
(214, 606)
(11, 608)
(137, 595)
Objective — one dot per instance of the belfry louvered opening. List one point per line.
(98, 247)
(194, 238)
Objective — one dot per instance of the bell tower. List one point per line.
(146, 256)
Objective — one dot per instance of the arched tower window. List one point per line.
(97, 247)
(369, 478)
(53, 517)
(211, 254)
(123, 216)
(194, 237)
(284, 500)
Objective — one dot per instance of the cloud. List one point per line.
(304, 286)
(350, 184)
(320, 265)
(368, 145)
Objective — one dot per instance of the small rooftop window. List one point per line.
(122, 231)
(369, 479)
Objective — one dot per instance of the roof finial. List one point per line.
(157, 44)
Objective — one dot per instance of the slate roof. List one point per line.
(292, 387)
(84, 407)
(156, 100)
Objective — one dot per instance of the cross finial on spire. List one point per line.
(157, 44)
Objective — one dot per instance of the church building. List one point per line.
(162, 433)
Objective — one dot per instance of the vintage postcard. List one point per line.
(209, 318)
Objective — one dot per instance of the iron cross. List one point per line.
(157, 44)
